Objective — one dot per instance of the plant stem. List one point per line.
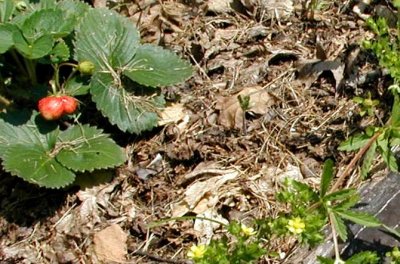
(31, 68)
(335, 241)
(18, 62)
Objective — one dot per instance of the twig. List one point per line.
(353, 162)
(158, 259)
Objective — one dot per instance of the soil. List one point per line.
(300, 67)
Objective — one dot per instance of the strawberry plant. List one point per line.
(56, 57)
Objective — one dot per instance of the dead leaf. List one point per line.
(231, 114)
(205, 228)
(172, 114)
(310, 70)
(110, 244)
(91, 198)
(220, 6)
(202, 195)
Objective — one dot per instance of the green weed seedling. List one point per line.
(55, 52)
(367, 105)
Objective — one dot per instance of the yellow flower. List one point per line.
(248, 231)
(196, 251)
(296, 225)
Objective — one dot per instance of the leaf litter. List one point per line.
(300, 71)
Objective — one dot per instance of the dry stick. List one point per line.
(158, 259)
(353, 162)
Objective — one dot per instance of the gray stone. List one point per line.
(381, 199)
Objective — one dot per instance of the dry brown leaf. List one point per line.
(231, 114)
(172, 114)
(110, 244)
(220, 6)
(202, 195)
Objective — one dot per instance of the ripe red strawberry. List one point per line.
(70, 104)
(51, 107)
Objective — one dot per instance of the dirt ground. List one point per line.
(300, 67)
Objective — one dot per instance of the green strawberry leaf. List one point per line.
(17, 128)
(122, 107)
(85, 148)
(34, 50)
(7, 8)
(50, 22)
(106, 39)
(77, 85)
(6, 38)
(35, 165)
(60, 53)
(155, 66)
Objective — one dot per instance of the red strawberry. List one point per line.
(70, 104)
(51, 107)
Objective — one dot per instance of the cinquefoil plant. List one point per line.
(53, 51)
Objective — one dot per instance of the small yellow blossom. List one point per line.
(248, 231)
(196, 251)
(296, 225)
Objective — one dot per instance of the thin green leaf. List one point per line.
(339, 226)
(387, 155)
(323, 260)
(340, 195)
(347, 203)
(368, 159)
(327, 176)
(360, 218)
(364, 257)
(154, 66)
(395, 117)
(353, 143)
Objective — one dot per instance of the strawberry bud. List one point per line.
(51, 107)
(86, 67)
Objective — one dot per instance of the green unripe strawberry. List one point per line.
(86, 67)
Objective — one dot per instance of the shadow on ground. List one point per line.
(24, 204)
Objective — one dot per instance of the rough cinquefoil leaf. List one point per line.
(106, 39)
(85, 148)
(155, 66)
(35, 165)
(130, 113)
